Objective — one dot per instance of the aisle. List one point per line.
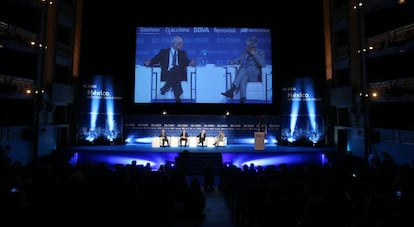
(216, 213)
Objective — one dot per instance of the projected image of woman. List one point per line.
(173, 62)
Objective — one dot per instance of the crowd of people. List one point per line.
(347, 193)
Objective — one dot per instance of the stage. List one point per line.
(232, 154)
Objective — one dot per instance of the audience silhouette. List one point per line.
(349, 193)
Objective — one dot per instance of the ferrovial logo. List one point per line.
(224, 30)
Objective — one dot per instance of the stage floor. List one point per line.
(229, 148)
(236, 154)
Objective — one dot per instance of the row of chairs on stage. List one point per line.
(174, 141)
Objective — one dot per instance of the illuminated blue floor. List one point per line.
(238, 155)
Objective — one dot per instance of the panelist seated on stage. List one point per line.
(164, 138)
(183, 137)
(219, 140)
(202, 136)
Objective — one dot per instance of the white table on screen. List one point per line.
(210, 82)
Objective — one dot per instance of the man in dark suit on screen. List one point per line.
(173, 62)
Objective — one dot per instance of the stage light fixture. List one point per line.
(228, 164)
(34, 91)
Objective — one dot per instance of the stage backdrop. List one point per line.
(238, 129)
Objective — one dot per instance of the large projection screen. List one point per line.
(213, 49)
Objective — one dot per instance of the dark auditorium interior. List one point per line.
(328, 139)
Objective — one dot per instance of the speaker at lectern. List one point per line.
(259, 138)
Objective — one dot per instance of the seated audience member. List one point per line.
(202, 137)
(195, 201)
(164, 138)
(209, 177)
(374, 160)
(183, 137)
(219, 138)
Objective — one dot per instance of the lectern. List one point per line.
(259, 140)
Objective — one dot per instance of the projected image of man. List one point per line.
(173, 62)
(251, 61)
